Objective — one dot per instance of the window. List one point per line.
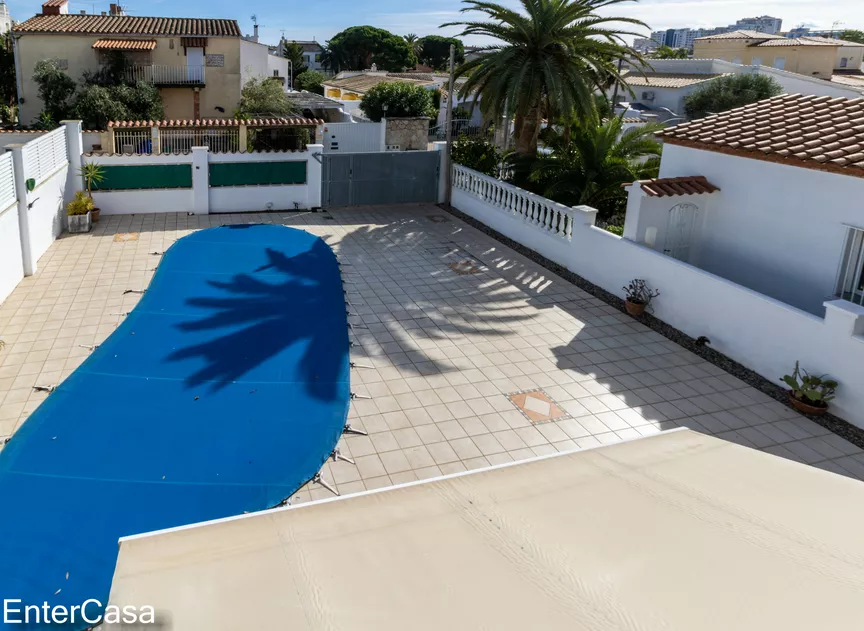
(844, 62)
(756, 61)
(317, 57)
(275, 73)
(850, 276)
(779, 63)
(736, 60)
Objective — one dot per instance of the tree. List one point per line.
(435, 51)
(547, 62)
(96, 105)
(294, 52)
(263, 95)
(8, 90)
(56, 89)
(358, 47)
(477, 153)
(591, 159)
(414, 42)
(667, 52)
(311, 81)
(853, 35)
(401, 99)
(726, 93)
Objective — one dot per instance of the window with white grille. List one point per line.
(850, 276)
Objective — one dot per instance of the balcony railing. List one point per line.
(167, 75)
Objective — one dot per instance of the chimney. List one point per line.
(115, 9)
(55, 7)
(255, 34)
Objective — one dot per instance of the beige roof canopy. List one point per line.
(675, 532)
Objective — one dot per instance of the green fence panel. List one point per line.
(257, 173)
(118, 178)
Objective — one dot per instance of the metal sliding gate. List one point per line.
(392, 177)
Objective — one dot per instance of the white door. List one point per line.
(756, 61)
(779, 63)
(195, 65)
(679, 231)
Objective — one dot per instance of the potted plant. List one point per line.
(93, 174)
(79, 214)
(809, 394)
(638, 296)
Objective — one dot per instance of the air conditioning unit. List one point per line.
(647, 96)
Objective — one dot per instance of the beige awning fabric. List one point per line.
(125, 44)
(676, 531)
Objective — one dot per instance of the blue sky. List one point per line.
(321, 19)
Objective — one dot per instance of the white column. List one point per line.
(23, 212)
(74, 151)
(155, 140)
(383, 134)
(200, 181)
(632, 228)
(313, 175)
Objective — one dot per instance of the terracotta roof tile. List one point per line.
(282, 121)
(667, 79)
(841, 42)
(128, 25)
(802, 130)
(124, 44)
(672, 186)
(799, 41)
(740, 34)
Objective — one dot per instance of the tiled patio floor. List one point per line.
(478, 356)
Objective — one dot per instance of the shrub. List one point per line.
(619, 230)
(311, 81)
(727, 93)
(401, 100)
(478, 154)
(263, 96)
(81, 205)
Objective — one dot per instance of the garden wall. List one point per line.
(761, 333)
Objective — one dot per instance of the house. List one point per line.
(195, 62)
(257, 60)
(312, 52)
(660, 93)
(767, 196)
(810, 56)
(352, 88)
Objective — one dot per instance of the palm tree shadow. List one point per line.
(271, 317)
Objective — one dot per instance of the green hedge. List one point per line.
(118, 178)
(257, 173)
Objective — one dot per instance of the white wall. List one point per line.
(279, 64)
(11, 263)
(202, 198)
(144, 200)
(353, 137)
(253, 61)
(47, 211)
(775, 228)
(763, 334)
(228, 199)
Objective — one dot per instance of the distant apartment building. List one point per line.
(197, 64)
(761, 24)
(312, 52)
(5, 18)
(681, 37)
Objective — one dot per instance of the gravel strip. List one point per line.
(844, 429)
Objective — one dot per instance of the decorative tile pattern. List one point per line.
(125, 236)
(537, 406)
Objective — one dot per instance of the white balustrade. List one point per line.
(167, 75)
(538, 211)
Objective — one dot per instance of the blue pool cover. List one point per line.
(224, 391)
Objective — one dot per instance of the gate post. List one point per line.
(314, 173)
(200, 180)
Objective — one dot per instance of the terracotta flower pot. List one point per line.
(95, 214)
(634, 308)
(806, 408)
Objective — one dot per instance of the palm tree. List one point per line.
(667, 52)
(416, 43)
(591, 159)
(548, 62)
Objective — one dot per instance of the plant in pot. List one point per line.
(79, 213)
(638, 295)
(809, 394)
(93, 174)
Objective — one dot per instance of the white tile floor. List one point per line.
(453, 321)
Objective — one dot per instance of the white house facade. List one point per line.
(769, 196)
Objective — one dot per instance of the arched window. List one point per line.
(843, 62)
